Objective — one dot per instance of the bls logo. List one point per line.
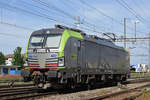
(54, 55)
(32, 56)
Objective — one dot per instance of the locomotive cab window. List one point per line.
(36, 41)
(79, 43)
(45, 41)
(53, 40)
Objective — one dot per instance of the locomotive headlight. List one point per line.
(61, 62)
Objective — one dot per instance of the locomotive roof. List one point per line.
(101, 41)
(91, 38)
(48, 31)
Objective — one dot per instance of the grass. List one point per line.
(136, 75)
(9, 79)
(17, 83)
(5, 79)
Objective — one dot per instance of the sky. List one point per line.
(19, 18)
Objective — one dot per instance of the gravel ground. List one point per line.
(144, 96)
(84, 95)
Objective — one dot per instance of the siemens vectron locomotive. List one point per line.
(64, 56)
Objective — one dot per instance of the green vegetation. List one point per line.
(144, 91)
(2, 59)
(145, 94)
(132, 71)
(136, 75)
(18, 59)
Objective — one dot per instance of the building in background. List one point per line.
(141, 68)
(9, 59)
(9, 69)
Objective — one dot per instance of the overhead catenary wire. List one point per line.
(13, 8)
(131, 10)
(125, 5)
(142, 9)
(48, 17)
(55, 8)
(9, 7)
(101, 12)
(16, 26)
(50, 6)
(38, 7)
(136, 14)
(104, 14)
(11, 35)
(71, 4)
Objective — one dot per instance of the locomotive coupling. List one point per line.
(26, 75)
(47, 85)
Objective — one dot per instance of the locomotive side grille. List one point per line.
(32, 60)
(52, 61)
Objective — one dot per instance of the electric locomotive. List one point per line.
(63, 56)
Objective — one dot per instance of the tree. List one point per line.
(2, 59)
(18, 59)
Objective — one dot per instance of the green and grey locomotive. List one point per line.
(64, 56)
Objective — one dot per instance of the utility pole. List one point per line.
(149, 51)
(135, 30)
(136, 22)
(125, 33)
(78, 22)
(1, 15)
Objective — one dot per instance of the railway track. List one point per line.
(32, 92)
(8, 93)
(136, 80)
(15, 85)
(127, 94)
(22, 93)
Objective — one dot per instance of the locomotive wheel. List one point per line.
(124, 79)
(71, 84)
(91, 84)
(89, 87)
(36, 80)
(26, 79)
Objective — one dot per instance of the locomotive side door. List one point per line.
(77, 53)
(81, 54)
(79, 61)
(73, 53)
